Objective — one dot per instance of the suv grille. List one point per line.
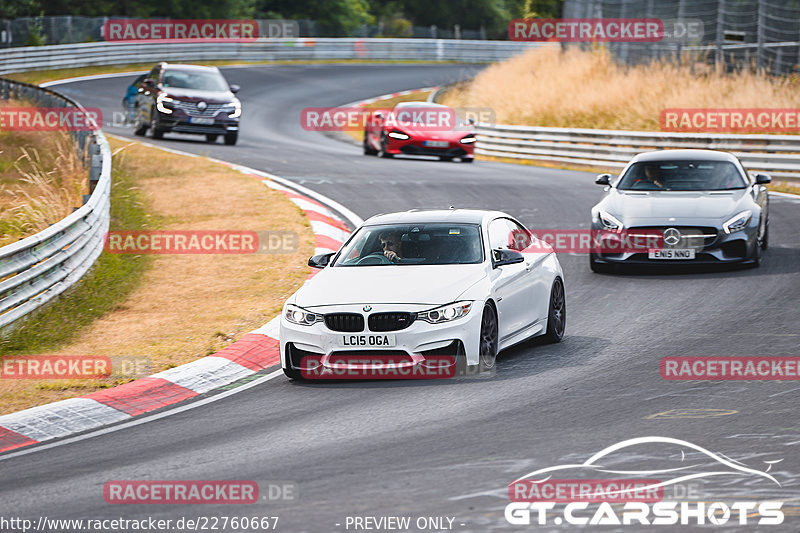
(190, 108)
(344, 322)
(390, 321)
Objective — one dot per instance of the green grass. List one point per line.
(106, 286)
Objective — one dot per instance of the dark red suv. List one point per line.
(187, 99)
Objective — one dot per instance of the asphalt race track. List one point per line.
(450, 448)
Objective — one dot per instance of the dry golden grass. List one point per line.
(188, 306)
(41, 181)
(587, 89)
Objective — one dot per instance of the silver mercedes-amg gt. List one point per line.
(705, 205)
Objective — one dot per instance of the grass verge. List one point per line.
(41, 181)
(166, 309)
(588, 89)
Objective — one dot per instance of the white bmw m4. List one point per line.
(409, 286)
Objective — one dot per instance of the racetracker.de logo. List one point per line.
(720, 120)
(181, 492)
(585, 241)
(195, 30)
(50, 119)
(55, 367)
(414, 118)
(377, 366)
(730, 368)
(201, 242)
(598, 30)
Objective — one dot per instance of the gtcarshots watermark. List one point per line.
(180, 492)
(739, 120)
(606, 30)
(73, 366)
(422, 118)
(201, 242)
(632, 497)
(730, 368)
(20, 118)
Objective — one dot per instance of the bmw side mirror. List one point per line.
(235, 88)
(603, 179)
(320, 260)
(503, 256)
(763, 179)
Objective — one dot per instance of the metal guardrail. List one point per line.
(109, 53)
(778, 155)
(38, 268)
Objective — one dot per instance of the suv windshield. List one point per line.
(413, 244)
(194, 79)
(682, 176)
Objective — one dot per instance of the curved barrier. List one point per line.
(110, 53)
(38, 268)
(777, 154)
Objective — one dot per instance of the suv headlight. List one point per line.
(162, 101)
(445, 313)
(738, 222)
(234, 108)
(301, 317)
(609, 221)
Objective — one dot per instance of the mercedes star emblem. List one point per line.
(202, 106)
(672, 236)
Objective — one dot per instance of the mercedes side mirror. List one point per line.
(763, 179)
(503, 256)
(603, 179)
(320, 260)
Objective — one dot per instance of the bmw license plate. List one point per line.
(373, 340)
(671, 253)
(203, 121)
(436, 144)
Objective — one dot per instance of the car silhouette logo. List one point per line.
(367, 308)
(202, 106)
(695, 463)
(672, 236)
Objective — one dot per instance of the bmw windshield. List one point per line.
(414, 244)
(682, 176)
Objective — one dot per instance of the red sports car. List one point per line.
(420, 128)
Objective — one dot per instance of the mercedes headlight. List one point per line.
(738, 222)
(445, 313)
(162, 102)
(301, 317)
(398, 135)
(609, 221)
(234, 108)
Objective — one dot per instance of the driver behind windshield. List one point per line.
(391, 245)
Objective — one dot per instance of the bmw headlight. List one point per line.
(162, 102)
(301, 317)
(609, 221)
(234, 108)
(394, 134)
(738, 222)
(445, 313)
(469, 139)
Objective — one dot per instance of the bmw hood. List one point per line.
(390, 284)
(662, 205)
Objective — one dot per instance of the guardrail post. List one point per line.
(762, 8)
(95, 164)
(719, 60)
